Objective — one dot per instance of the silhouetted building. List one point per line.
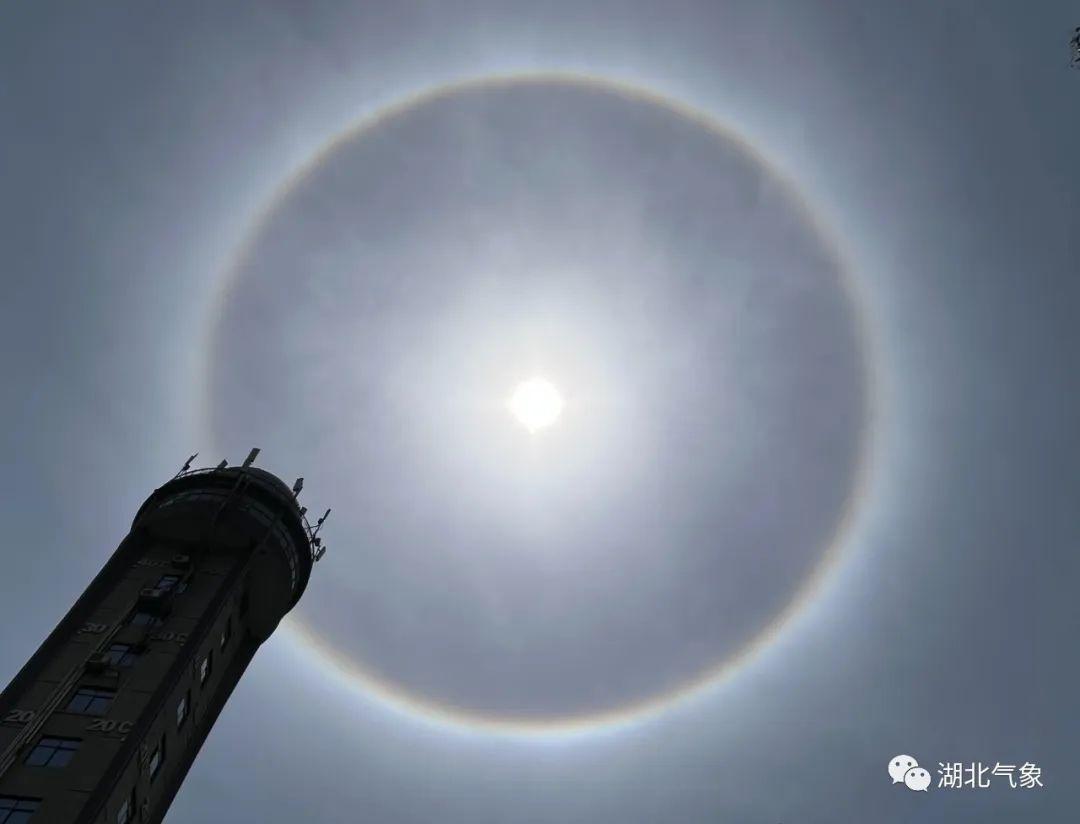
(104, 721)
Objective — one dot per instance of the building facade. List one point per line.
(103, 722)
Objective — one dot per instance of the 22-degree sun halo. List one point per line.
(536, 404)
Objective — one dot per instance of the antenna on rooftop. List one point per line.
(318, 526)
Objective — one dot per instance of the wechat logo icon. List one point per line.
(904, 769)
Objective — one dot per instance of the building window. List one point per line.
(15, 810)
(121, 655)
(172, 582)
(156, 759)
(204, 668)
(226, 633)
(143, 619)
(182, 709)
(53, 752)
(90, 701)
(127, 809)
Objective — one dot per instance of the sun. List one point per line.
(536, 404)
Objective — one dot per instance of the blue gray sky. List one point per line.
(802, 273)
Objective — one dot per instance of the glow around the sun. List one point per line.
(536, 404)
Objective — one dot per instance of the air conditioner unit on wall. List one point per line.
(98, 662)
(155, 600)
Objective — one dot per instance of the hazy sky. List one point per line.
(806, 275)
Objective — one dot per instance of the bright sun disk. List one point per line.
(536, 404)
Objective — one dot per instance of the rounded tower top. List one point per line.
(253, 489)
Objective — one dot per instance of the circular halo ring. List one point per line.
(447, 716)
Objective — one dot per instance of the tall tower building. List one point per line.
(105, 719)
